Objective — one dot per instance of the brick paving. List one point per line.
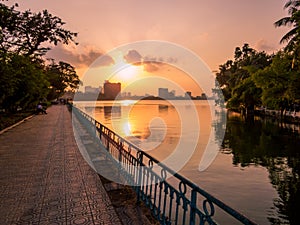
(45, 180)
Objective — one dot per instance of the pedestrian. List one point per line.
(40, 109)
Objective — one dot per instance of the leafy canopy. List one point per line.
(24, 77)
(26, 32)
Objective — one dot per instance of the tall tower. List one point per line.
(111, 90)
(163, 93)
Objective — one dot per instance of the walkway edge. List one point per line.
(16, 124)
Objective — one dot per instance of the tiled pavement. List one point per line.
(44, 179)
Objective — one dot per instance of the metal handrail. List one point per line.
(170, 205)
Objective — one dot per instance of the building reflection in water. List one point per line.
(163, 109)
(112, 111)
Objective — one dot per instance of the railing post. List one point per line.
(120, 148)
(140, 174)
(100, 131)
(193, 207)
(108, 140)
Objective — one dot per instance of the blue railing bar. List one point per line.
(219, 203)
(182, 179)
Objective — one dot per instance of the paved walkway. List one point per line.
(45, 180)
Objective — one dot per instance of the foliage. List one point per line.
(24, 77)
(235, 77)
(254, 78)
(276, 81)
(7, 120)
(62, 76)
(23, 82)
(292, 37)
(25, 32)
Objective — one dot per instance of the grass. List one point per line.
(8, 119)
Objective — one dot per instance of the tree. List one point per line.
(26, 32)
(22, 82)
(279, 84)
(24, 78)
(235, 77)
(62, 77)
(292, 38)
(245, 95)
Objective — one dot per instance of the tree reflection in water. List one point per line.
(275, 146)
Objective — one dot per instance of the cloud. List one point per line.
(151, 67)
(150, 63)
(263, 45)
(169, 60)
(133, 57)
(80, 56)
(104, 60)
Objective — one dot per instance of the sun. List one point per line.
(124, 72)
(127, 73)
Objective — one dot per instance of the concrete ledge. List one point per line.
(16, 124)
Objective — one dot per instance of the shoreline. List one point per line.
(287, 117)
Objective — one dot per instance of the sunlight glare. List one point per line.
(129, 72)
(128, 102)
(127, 129)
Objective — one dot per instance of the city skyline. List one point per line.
(162, 92)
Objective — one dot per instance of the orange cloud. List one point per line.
(133, 57)
(263, 45)
(80, 57)
(151, 64)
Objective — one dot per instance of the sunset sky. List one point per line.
(212, 29)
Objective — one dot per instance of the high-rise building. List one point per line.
(111, 90)
(163, 93)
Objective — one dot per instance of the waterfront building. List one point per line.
(90, 89)
(203, 96)
(188, 94)
(111, 90)
(163, 93)
(172, 94)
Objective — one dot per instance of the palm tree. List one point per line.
(293, 36)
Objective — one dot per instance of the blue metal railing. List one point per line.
(172, 198)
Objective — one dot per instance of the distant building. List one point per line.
(188, 94)
(163, 93)
(90, 89)
(172, 94)
(111, 90)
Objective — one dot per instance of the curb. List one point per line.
(16, 124)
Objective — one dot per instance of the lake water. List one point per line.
(255, 169)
